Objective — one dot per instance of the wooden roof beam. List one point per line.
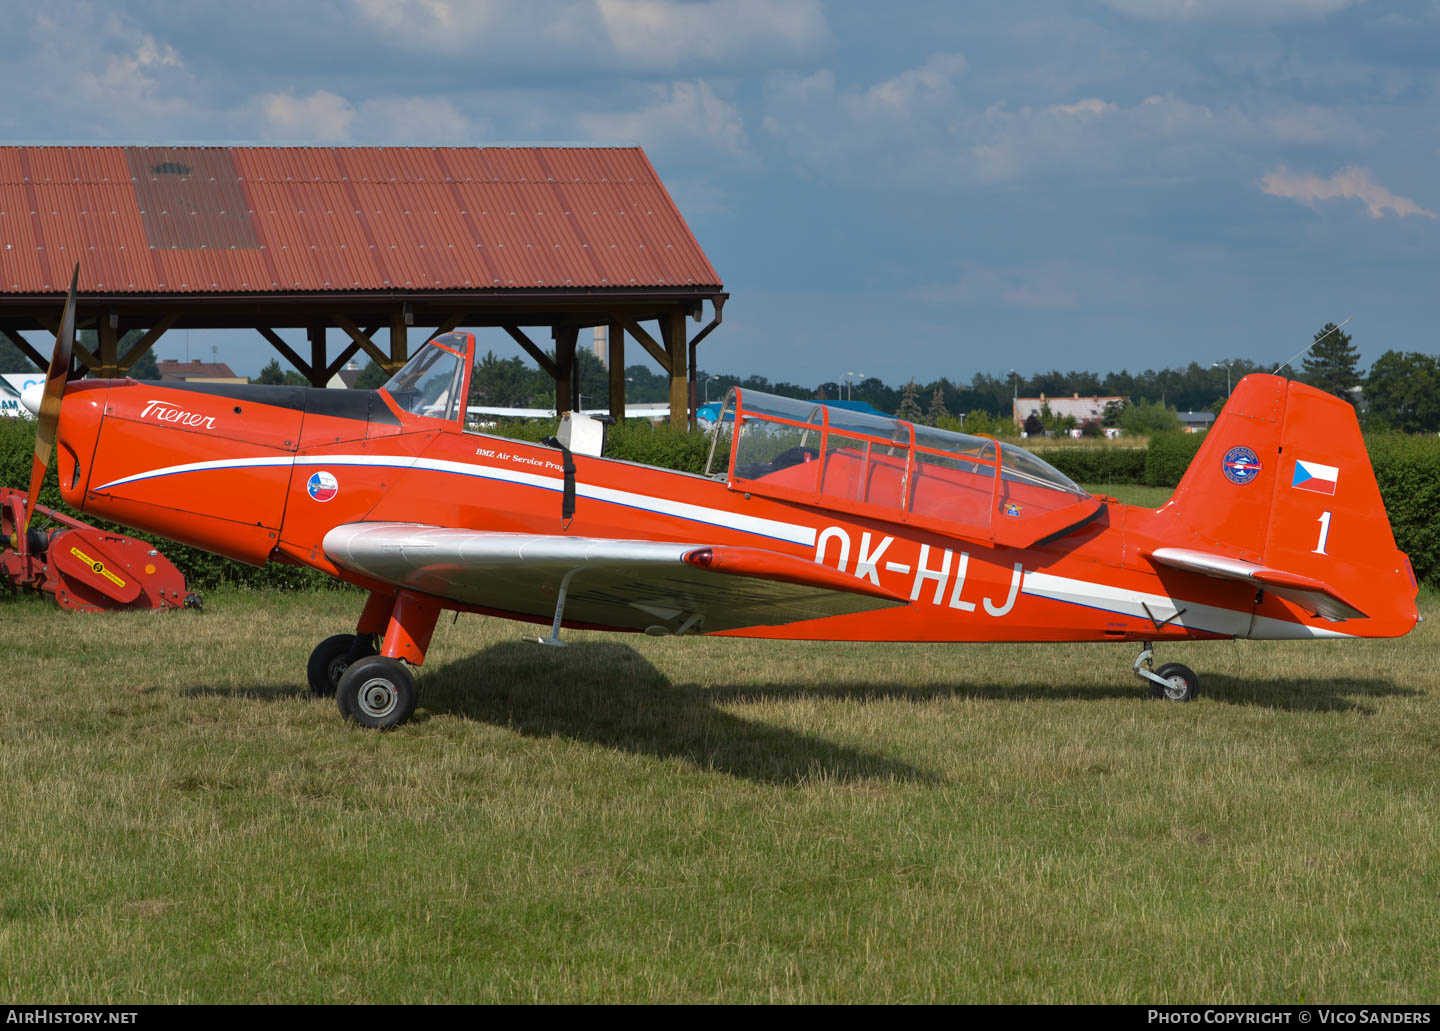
(26, 349)
(364, 342)
(86, 358)
(648, 342)
(146, 342)
(541, 358)
(301, 365)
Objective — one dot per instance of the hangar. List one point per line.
(343, 242)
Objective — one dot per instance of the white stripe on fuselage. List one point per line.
(1205, 618)
(795, 534)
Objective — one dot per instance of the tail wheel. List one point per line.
(377, 692)
(331, 658)
(1181, 683)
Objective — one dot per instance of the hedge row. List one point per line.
(1161, 464)
(1407, 469)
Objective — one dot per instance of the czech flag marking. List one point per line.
(1313, 476)
(322, 486)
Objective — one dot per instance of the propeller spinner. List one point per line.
(48, 414)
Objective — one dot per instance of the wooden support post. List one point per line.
(566, 388)
(672, 328)
(399, 340)
(316, 372)
(109, 347)
(615, 340)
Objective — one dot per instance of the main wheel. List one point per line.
(1181, 683)
(377, 692)
(331, 658)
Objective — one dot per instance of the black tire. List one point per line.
(377, 692)
(331, 658)
(1184, 685)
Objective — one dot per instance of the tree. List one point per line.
(1331, 364)
(271, 374)
(1033, 426)
(937, 410)
(1402, 392)
(909, 409)
(372, 377)
(1148, 417)
(1113, 411)
(145, 367)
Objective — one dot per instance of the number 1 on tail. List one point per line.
(1324, 522)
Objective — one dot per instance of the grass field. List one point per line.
(633, 819)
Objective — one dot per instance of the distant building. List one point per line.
(1082, 408)
(346, 377)
(1196, 422)
(174, 370)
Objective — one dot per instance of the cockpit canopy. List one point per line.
(892, 469)
(434, 382)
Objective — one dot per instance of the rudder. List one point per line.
(1283, 480)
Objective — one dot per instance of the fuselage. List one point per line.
(263, 473)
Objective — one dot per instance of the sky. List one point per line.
(903, 189)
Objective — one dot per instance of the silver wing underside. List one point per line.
(624, 585)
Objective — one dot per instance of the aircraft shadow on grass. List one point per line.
(608, 694)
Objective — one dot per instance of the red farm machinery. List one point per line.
(86, 569)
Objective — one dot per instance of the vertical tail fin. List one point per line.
(1283, 482)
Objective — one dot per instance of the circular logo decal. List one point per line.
(1241, 465)
(323, 486)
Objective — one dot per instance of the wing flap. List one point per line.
(624, 585)
(1314, 596)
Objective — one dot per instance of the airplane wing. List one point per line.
(1314, 596)
(626, 585)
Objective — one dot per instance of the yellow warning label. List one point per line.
(97, 567)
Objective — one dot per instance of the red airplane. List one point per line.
(811, 523)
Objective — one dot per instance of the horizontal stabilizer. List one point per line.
(622, 585)
(1310, 594)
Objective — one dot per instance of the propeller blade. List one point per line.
(48, 419)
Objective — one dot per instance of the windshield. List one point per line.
(430, 383)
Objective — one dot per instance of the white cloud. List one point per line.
(634, 35)
(114, 78)
(1229, 10)
(415, 120)
(917, 129)
(664, 32)
(1349, 183)
(679, 117)
(321, 117)
(912, 91)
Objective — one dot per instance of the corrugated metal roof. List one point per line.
(285, 219)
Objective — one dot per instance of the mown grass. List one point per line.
(632, 819)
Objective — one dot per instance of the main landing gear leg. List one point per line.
(1172, 681)
(378, 690)
(334, 655)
